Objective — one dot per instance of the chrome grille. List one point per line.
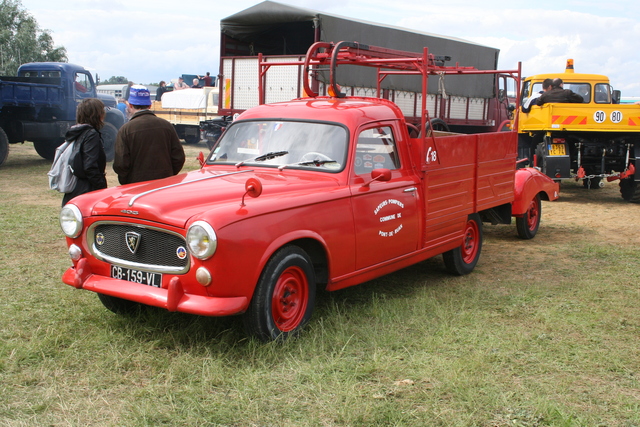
(157, 249)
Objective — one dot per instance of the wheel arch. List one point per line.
(310, 242)
(530, 182)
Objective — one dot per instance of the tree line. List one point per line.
(22, 40)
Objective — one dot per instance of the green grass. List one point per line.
(542, 333)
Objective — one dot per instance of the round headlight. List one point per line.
(71, 221)
(202, 240)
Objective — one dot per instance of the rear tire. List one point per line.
(109, 134)
(4, 146)
(192, 138)
(463, 259)
(528, 224)
(629, 190)
(46, 148)
(284, 297)
(119, 305)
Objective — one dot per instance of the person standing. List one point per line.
(162, 88)
(90, 160)
(127, 90)
(208, 80)
(147, 146)
(196, 84)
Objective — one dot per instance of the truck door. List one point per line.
(386, 214)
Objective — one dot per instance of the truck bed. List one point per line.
(30, 91)
(473, 173)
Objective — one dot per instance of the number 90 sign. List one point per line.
(600, 116)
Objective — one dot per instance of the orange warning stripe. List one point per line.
(634, 121)
(569, 120)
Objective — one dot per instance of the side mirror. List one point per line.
(382, 175)
(200, 159)
(615, 97)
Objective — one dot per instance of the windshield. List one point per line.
(582, 89)
(283, 144)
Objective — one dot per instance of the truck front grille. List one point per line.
(137, 246)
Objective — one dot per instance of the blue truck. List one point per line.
(39, 105)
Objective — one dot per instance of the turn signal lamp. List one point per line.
(331, 91)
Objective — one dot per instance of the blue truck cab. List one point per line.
(39, 105)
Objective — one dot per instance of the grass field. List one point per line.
(542, 333)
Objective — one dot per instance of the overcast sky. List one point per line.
(148, 41)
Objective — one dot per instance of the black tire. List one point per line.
(109, 134)
(4, 146)
(463, 259)
(437, 125)
(284, 297)
(192, 139)
(528, 224)
(119, 305)
(46, 148)
(629, 190)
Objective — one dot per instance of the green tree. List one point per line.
(115, 80)
(22, 41)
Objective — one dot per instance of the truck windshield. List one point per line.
(309, 145)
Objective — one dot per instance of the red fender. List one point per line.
(528, 183)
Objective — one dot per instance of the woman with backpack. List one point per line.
(88, 158)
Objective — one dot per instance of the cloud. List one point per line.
(147, 41)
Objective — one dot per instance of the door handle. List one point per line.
(409, 190)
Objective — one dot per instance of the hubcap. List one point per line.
(470, 244)
(290, 297)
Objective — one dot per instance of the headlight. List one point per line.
(202, 240)
(71, 220)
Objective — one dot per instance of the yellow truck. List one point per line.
(186, 108)
(596, 140)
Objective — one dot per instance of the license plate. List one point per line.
(136, 276)
(557, 150)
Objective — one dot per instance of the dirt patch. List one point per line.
(598, 211)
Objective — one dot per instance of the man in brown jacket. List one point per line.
(147, 147)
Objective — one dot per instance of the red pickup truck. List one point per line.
(323, 191)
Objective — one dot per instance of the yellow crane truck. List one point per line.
(596, 140)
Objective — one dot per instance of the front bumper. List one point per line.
(171, 298)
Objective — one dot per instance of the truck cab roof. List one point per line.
(62, 67)
(351, 111)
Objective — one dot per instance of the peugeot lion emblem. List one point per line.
(133, 241)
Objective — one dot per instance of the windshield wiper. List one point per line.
(310, 162)
(263, 157)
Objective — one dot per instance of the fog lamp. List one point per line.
(203, 276)
(75, 252)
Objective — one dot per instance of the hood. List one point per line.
(175, 200)
(75, 131)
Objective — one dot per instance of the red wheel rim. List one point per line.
(470, 244)
(533, 214)
(290, 297)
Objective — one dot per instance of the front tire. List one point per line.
(119, 305)
(463, 259)
(284, 297)
(4, 146)
(46, 148)
(528, 224)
